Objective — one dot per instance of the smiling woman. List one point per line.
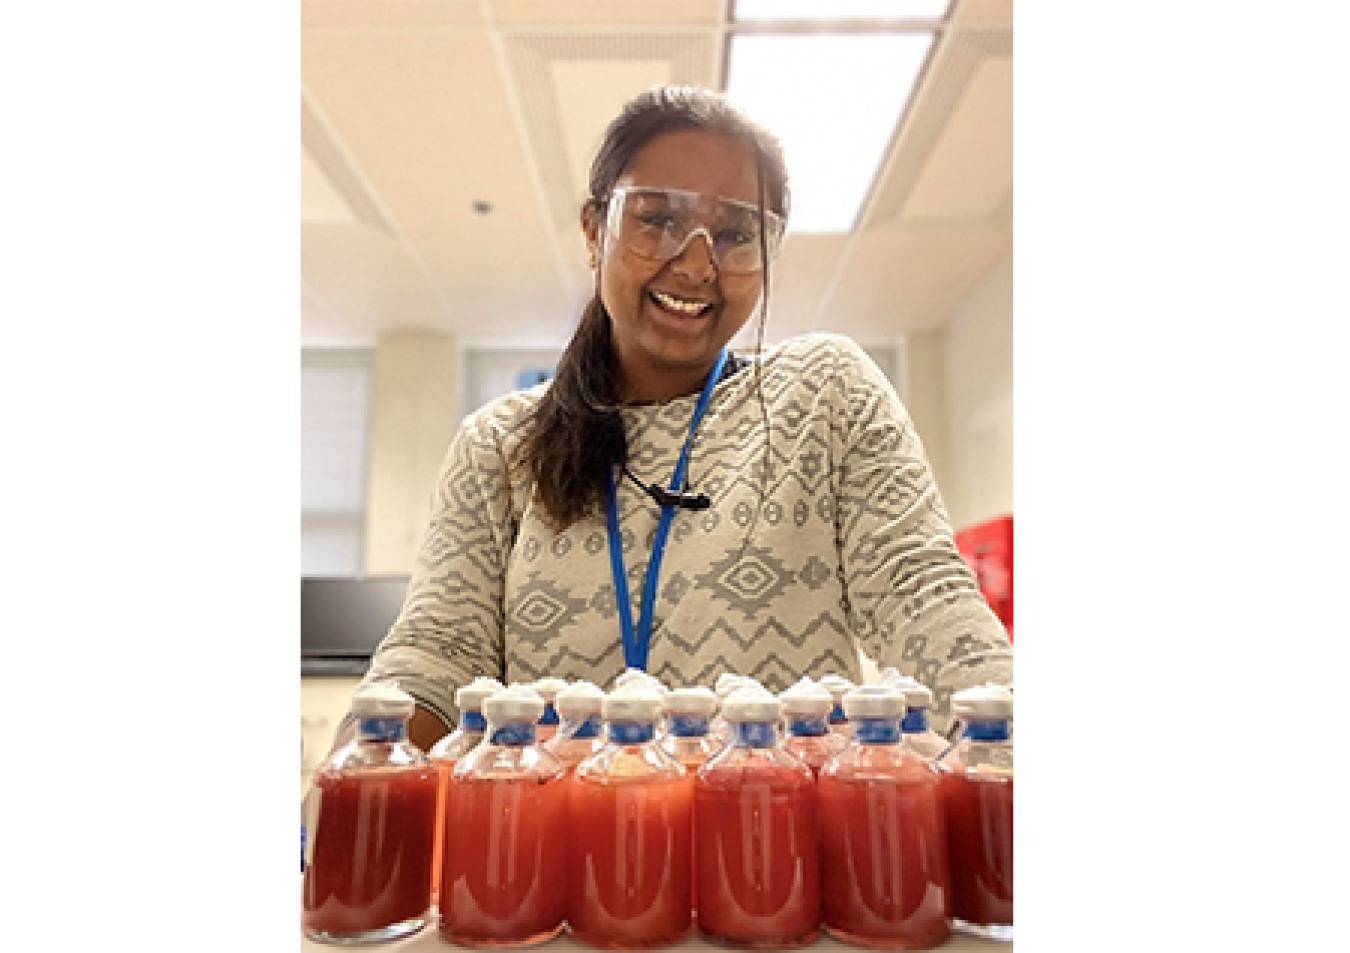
(680, 173)
(665, 504)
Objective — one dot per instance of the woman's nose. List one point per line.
(696, 260)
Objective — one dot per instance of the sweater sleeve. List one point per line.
(911, 600)
(450, 628)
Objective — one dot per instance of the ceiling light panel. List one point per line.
(745, 11)
(834, 101)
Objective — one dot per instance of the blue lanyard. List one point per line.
(635, 642)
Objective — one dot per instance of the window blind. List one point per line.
(335, 395)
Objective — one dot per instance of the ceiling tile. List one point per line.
(426, 119)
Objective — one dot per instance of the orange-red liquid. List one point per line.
(502, 876)
(758, 855)
(628, 868)
(979, 814)
(884, 859)
(371, 865)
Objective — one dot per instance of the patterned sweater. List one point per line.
(826, 534)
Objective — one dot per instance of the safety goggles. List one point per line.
(659, 223)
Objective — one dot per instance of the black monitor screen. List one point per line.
(343, 619)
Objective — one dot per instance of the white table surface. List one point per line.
(431, 941)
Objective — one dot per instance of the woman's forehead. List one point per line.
(696, 160)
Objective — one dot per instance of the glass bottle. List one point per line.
(689, 713)
(806, 709)
(838, 686)
(445, 752)
(977, 796)
(371, 820)
(919, 737)
(579, 724)
(630, 830)
(883, 847)
(757, 834)
(505, 823)
(727, 684)
(547, 689)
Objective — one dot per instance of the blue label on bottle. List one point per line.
(590, 728)
(380, 729)
(808, 726)
(514, 733)
(688, 726)
(993, 729)
(876, 731)
(472, 722)
(915, 721)
(754, 734)
(837, 716)
(550, 715)
(631, 732)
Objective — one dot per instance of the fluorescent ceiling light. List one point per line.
(746, 10)
(834, 102)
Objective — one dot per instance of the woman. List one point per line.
(665, 504)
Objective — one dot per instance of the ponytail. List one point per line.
(575, 431)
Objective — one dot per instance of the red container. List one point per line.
(987, 548)
(372, 850)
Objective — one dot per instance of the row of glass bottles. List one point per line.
(903, 848)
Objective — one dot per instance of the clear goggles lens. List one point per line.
(659, 224)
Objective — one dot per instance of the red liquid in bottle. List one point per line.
(979, 813)
(758, 855)
(502, 878)
(443, 767)
(629, 866)
(884, 857)
(371, 865)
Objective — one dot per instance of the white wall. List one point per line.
(412, 422)
(978, 354)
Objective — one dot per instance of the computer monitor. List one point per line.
(342, 619)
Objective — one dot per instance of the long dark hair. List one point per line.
(575, 433)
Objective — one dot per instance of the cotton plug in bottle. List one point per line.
(806, 709)
(883, 848)
(547, 689)
(630, 809)
(689, 713)
(757, 837)
(838, 687)
(502, 880)
(918, 728)
(444, 753)
(579, 724)
(977, 796)
(372, 813)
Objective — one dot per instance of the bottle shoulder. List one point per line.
(455, 745)
(620, 762)
(366, 755)
(736, 765)
(980, 757)
(892, 763)
(505, 762)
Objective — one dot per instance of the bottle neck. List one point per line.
(807, 726)
(631, 732)
(754, 734)
(514, 734)
(876, 731)
(550, 715)
(986, 729)
(381, 730)
(689, 726)
(472, 722)
(915, 721)
(588, 727)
